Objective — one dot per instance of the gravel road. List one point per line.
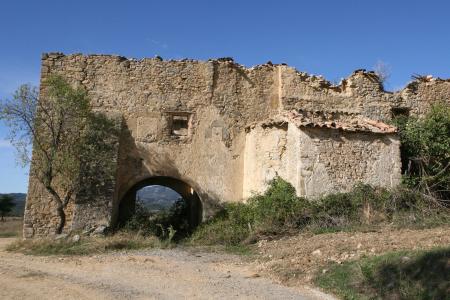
(149, 274)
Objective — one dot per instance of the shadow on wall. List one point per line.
(133, 174)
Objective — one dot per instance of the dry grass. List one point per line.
(11, 227)
(85, 246)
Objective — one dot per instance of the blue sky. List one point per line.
(331, 38)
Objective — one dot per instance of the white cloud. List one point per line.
(159, 44)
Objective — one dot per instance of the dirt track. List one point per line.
(149, 274)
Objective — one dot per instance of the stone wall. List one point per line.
(186, 119)
(420, 94)
(318, 161)
(361, 93)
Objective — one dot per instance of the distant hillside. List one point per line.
(19, 200)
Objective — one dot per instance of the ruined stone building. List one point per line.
(217, 131)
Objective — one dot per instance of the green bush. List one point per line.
(278, 208)
(367, 205)
(170, 224)
(280, 211)
(341, 209)
(229, 228)
(426, 152)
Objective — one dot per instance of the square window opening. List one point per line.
(180, 125)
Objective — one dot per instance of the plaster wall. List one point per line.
(319, 161)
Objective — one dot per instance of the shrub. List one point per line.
(280, 211)
(168, 224)
(230, 227)
(367, 205)
(277, 210)
(279, 207)
(426, 152)
(364, 204)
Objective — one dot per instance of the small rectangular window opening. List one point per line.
(180, 125)
(400, 112)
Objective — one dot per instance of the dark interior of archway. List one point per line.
(161, 202)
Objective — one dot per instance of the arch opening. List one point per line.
(158, 203)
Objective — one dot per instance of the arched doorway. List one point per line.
(163, 195)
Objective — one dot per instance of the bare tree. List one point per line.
(383, 70)
(58, 128)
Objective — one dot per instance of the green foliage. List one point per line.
(229, 228)
(19, 204)
(396, 275)
(96, 172)
(6, 205)
(280, 211)
(366, 205)
(71, 143)
(167, 225)
(277, 210)
(279, 207)
(426, 150)
(18, 114)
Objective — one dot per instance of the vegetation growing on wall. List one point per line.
(426, 152)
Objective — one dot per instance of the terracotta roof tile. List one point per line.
(332, 120)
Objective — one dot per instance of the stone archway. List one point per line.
(193, 210)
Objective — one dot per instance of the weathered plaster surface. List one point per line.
(318, 161)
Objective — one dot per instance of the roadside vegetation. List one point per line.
(280, 212)
(9, 226)
(85, 245)
(396, 275)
